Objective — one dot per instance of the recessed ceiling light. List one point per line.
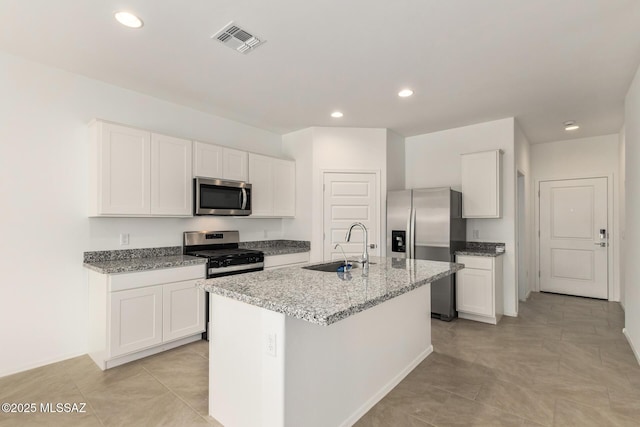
(404, 93)
(336, 114)
(570, 125)
(128, 19)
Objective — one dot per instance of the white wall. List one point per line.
(433, 160)
(330, 149)
(396, 169)
(43, 188)
(632, 203)
(356, 149)
(523, 165)
(621, 214)
(581, 158)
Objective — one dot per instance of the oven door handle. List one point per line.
(244, 199)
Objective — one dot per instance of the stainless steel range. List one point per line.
(224, 258)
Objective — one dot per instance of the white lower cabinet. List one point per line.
(183, 310)
(134, 315)
(479, 288)
(136, 319)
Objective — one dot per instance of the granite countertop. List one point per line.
(277, 247)
(143, 264)
(479, 252)
(488, 249)
(129, 260)
(324, 298)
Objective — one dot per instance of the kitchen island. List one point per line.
(294, 347)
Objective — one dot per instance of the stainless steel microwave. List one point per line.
(220, 197)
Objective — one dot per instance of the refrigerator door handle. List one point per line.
(408, 242)
(413, 234)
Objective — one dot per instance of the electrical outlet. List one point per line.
(270, 344)
(124, 239)
(476, 234)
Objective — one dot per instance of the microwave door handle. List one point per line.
(244, 199)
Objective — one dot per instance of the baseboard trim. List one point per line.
(359, 413)
(40, 364)
(635, 352)
(511, 314)
(121, 360)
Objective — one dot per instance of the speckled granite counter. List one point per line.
(278, 247)
(128, 260)
(324, 298)
(487, 249)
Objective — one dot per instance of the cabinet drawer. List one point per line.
(277, 261)
(478, 262)
(140, 279)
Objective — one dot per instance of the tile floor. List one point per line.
(563, 362)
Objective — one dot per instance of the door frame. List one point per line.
(613, 288)
(379, 208)
(522, 238)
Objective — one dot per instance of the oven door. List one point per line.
(219, 197)
(221, 272)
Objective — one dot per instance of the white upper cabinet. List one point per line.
(120, 180)
(482, 184)
(284, 187)
(273, 186)
(136, 173)
(207, 160)
(261, 179)
(171, 187)
(235, 164)
(213, 161)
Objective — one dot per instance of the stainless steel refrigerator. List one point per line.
(427, 223)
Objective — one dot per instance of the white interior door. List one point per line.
(349, 198)
(573, 237)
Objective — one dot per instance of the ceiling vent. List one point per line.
(237, 38)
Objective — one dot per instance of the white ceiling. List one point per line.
(468, 61)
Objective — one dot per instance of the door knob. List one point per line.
(601, 244)
(372, 246)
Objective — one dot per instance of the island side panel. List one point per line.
(246, 381)
(334, 374)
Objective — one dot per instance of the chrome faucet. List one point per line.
(365, 251)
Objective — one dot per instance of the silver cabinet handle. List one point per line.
(601, 244)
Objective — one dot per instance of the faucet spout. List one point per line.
(365, 250)
(346, 262)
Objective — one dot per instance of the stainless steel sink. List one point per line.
(330, 267)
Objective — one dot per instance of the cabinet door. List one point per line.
(171, 184)
(261, 179)
(481, 185)
(284, 188)
(183, 310)
(234, 164)
(136, 319)
(474, 291)
(207, 160)
(123, 179)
